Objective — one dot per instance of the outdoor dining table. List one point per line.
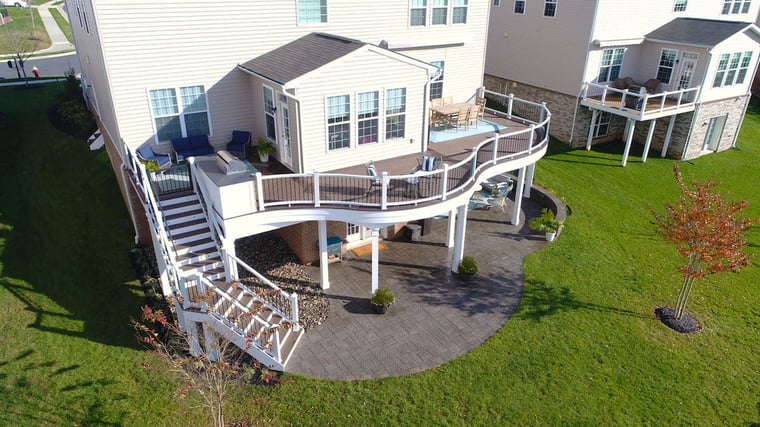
(449, 109)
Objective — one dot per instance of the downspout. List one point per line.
(585, 67)
(425, 112)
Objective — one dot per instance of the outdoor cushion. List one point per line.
(147, 154)
(196, 145)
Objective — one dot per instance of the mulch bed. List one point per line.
(685, 325)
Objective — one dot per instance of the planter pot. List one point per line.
(264, 157)
(550, 235)
(380, 309)
(467, 277)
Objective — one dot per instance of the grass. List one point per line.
(22, 26)
(582, 349)
(62, 23)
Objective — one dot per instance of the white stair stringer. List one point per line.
(243, 318)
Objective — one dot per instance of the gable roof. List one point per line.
(301, 56)
(697, 32)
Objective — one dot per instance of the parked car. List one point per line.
(16, 3)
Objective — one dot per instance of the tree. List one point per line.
(210, 372)
(707, 230)
(23, 41)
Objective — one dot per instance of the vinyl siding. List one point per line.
(737, 43)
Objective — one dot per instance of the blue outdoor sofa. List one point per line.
(190, 146)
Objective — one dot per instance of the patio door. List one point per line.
(283, 136)
(686, 72)
(355, 233)
(714, 133)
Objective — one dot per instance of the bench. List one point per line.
(190, 146)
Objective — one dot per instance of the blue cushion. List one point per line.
(181, 144)
(240, 137)
(199, 141)
(145, 152)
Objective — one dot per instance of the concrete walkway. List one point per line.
(59, 42)
(436, 317)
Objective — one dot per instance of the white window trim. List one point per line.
(466, 8)
(298, 16)
(425, 8)
(180, 111)
(351, 123)
(742, 7)
(404, 113)
(737, 70)
(672, 68)
(429, 7)
(599, 123)
(514, 7)
(376, 117)
(556, 8)
(611, 64)
(496, 3)
(677, 3)
(437, 80)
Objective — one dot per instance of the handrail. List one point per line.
(593, 90)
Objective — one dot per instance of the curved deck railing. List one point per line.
(318, 189)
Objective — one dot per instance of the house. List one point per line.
(341, 88)
(672, 75)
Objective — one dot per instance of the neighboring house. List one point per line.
(590, 59)
(333, 84)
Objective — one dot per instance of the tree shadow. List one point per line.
(540, 300)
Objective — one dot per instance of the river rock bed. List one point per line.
(268, 254)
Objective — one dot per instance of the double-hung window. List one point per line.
(368, 107)
(418, 13)
(459, 12)
(602, 124)
(436, 86)
(338, 122)
(612, 60)
(440, 12)
(179, 112)
(550, 8)
(312, 11)
(395, 113)
(667, 62)
(732, 69)
(680, 6)
(497, 3)
(734, 7)
(519, 7)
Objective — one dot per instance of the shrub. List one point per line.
(73, 112)
(383, 296)
(468, 265)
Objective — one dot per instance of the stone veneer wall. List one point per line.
(733, 107)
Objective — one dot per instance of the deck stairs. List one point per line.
(234, 311)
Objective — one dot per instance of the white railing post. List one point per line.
(276, 345)
(495, 137)
(510, 102)
(259, 191)
(384, 192)
(531, 136)
(191, 171)
(294, 310)
(315, 180)
(542, 114)
(604, 94)
(474, 163)
(444, 180)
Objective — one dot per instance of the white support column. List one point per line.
(594, 115)
(649, 140)
(324, 278)
(212, 349)
(518, 200)
(528, 180)
(230, 266)
(459, 239)
(629, 125)
(450, 230)
(375, 258)
(671, 123)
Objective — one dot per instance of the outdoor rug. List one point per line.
(367, 249)
(438, 134)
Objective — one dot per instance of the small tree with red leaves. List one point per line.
(707, 231)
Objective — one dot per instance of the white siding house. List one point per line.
(697, 56)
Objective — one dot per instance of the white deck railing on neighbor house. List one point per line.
(321, 189)
(639, 104)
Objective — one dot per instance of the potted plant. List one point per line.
(382, 299)
(265, 148)
(467, 268)
(546, 223)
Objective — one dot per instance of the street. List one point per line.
(48, 65)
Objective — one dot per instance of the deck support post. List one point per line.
(629, 125)
(671, 123)
(461, 227)
(450, 229)
(324, 279)
(375, 258)
(528, 180)
(649, 140)
(594, 115)
(519, 188)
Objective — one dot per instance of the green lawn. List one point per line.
(62, 23)
(22, 26)
(583, 348)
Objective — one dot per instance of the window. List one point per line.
(269, 113)
(734, 7)
(436, 86)
(338, 122)
(732, 69)
(497, 3)
(178, 116)
(440, 12)
(667, 62)
(612, 59)
(395, 113)
(459, 13)
(602, 124)
(550, 8)
(367, 114)
(312, 11)
(519, 7)
(82, 14)
(418, 13)
(680, 6)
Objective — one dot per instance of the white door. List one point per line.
(356, 233)
(686, 72)
(283, 139)
(714, 133)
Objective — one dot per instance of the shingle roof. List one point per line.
(697, 32)
(301, 56)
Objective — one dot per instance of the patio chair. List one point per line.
(239, 143)
(375, 179)
(472, 115)
(146, 154)
(436, 102)
(448, 100)
(428, 163)
(481, 102)
(460, 118)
